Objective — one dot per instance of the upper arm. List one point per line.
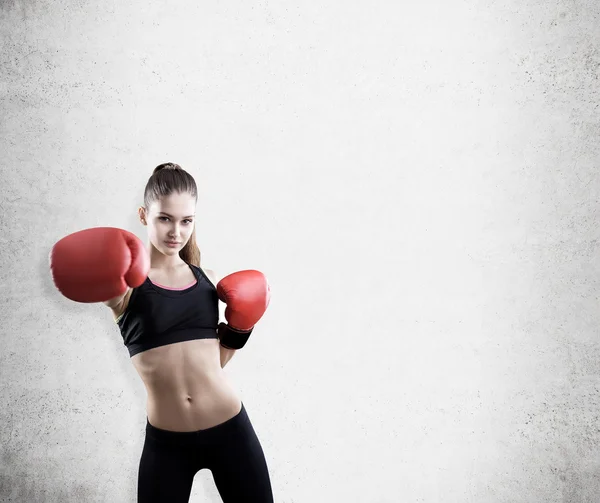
(214, 278)
(225, 354)
(119, 304)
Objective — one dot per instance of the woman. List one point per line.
(167, 310)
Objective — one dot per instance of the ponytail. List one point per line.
(190, 253)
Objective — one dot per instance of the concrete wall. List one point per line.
(418, 180)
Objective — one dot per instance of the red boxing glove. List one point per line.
(99, 264)
(247, 295)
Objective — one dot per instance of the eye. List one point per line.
(187, 220)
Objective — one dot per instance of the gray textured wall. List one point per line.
(419, 182)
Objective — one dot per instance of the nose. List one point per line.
(174, 232)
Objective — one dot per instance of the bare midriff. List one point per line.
(187, 388)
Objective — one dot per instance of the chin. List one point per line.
(165, 250)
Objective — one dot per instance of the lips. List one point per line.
(171, 242)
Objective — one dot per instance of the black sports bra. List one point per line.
(157, 316)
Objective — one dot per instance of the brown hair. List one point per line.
(166, 179)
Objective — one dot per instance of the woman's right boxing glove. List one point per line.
(98, 264)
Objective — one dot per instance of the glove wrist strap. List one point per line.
(231, 338)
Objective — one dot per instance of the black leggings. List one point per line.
(230, 450)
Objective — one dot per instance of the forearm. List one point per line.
(226, 355)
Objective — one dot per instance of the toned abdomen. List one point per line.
(187, 388)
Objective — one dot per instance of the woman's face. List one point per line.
(170, 219)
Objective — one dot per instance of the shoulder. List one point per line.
(211, 275)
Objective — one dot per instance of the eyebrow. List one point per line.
(171, 216)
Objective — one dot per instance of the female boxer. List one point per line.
(166, 307)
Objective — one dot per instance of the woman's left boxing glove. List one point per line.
(247, 295)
